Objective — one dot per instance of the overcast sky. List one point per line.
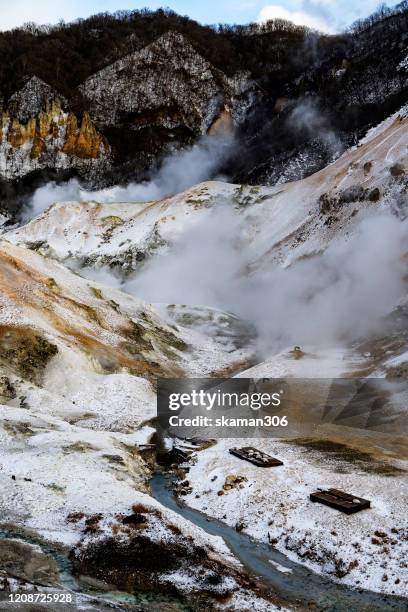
(329, 15)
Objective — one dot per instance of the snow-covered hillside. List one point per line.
(277, 226)
(281, 223)
(78, 368)
(79, 360)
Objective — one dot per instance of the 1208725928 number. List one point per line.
(40, 598)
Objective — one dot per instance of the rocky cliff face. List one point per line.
(37, 133)
(166, 84)
(166, 92)
(31, 99)
(153, 83)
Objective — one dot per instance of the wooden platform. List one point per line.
(349, 504)
(255, 456)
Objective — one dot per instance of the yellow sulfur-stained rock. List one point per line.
(38, 146)
(44, 124)
(79, 140)
(84, 142)
(89, 140)
(71, 135)
(50, 138)
(19, 133)
(4, 121)
(223, 125)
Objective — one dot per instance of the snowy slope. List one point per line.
(278, 223)
(273, 505)
(97, 343)
(97, 328)
(78, 365)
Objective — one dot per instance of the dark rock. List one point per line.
(134, 518)
(374, 195)
(355, 193)
(327, 203)
(397, 170)
(6, 388)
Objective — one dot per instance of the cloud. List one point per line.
(298, 17)
(325, 15)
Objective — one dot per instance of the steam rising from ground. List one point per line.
(307, 117)
(178, 172)
(332, 297)
(202, 268)
(336, 296)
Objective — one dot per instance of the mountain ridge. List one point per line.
(258, 75)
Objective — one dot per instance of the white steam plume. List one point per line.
(306, 116)
(336, 296)
(177, 173)
(200, 269)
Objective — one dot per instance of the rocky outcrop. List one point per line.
(28, 562)
(83, 141)
(49, 138)
(166, 83)
(31, 99)
(124, 237)
(155, 84)
(167, 92)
